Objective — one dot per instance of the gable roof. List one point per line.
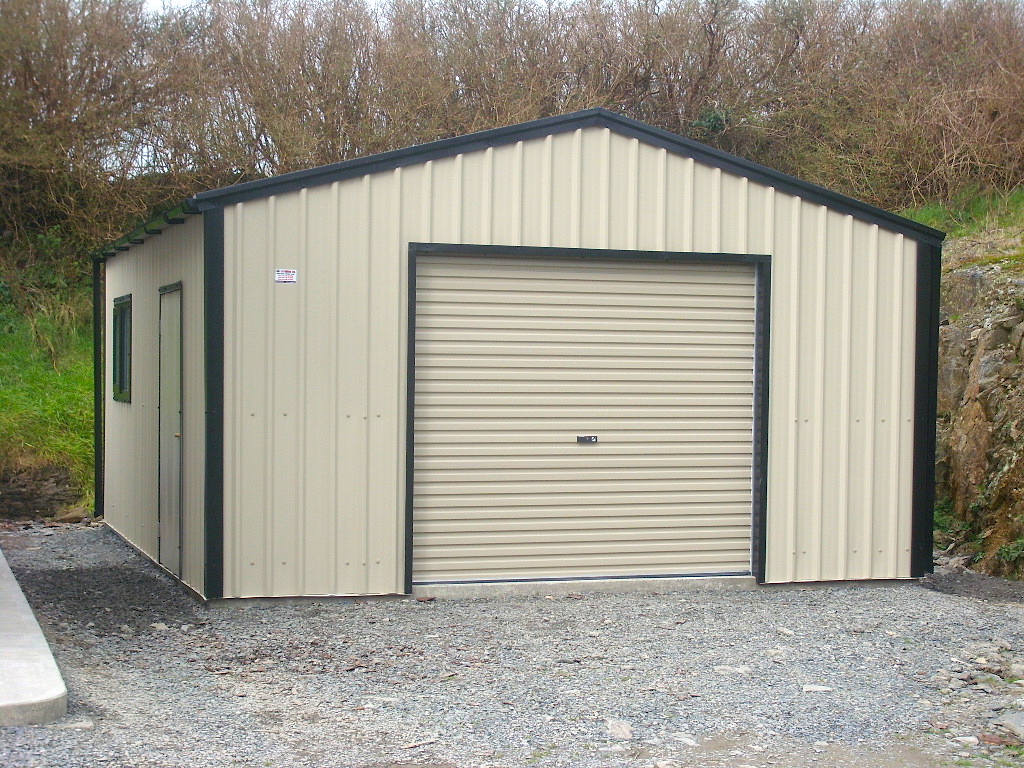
(597, 117)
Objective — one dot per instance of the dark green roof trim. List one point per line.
(587, 118)
(781, 181)
(147, 229)
(598, 117)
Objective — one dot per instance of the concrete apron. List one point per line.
(32, 691)
(573, 586)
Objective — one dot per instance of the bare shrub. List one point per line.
(110, 112)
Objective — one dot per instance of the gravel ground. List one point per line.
(702, 677)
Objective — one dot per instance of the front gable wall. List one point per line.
(315, 396)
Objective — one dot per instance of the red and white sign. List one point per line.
(286, 275)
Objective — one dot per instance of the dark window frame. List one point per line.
(121, 345)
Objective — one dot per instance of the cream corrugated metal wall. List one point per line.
(515, 358)
(130, 439)
(315, 384)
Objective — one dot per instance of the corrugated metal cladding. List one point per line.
(131, 468)
(315, 383)
(516, 360)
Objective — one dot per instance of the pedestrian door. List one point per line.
(170, 436)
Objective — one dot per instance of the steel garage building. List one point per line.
(580, 347)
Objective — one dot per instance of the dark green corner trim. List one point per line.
(762, 339)
(98, 378)
(926, 367)
(213, 353)
(410, 416)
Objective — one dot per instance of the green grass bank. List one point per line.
(972, 213)
(46, 404)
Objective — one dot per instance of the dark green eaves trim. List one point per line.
(144, 231)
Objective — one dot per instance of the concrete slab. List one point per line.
(571, 586)
(540, 587)
(32, 691)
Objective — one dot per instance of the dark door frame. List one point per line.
(166, 289)
(762, 315)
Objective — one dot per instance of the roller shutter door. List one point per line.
(516, 359)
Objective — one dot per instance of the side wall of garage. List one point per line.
(131, 466)
(315, 451)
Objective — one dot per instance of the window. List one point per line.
(122, 348)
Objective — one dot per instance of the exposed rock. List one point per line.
(1015, 337)
(1012, 722)
(35, 492)
(1011, 321)
(968, 455)
(73, 515)
(998, 741)
(961, 291)
(989, 360)
(619, 729)
(952, 367)
(979, 459)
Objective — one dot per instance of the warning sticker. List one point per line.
(286, 275)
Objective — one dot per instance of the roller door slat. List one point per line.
(497, 501)
(453, 268)
(670, 462)
(707, 561)
(569, 514)
(664, 517)
(613, 528)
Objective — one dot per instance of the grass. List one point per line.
(972, 212)
(1012, 552)
(46, 398)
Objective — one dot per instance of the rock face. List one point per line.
(35, 492)
(980, 457)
